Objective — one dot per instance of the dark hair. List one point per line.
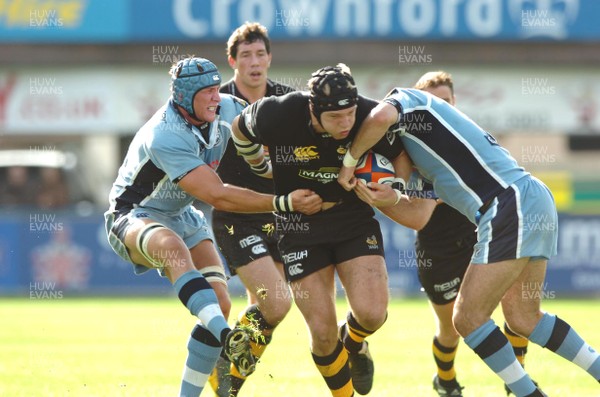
(249, 32)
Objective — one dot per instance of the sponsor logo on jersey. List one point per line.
(229, 230)
(447, 285)
(450, 294)
(305, 153)
(372, 242)
(342, 149)
(250, 240)
(259, 249)
(295, 269)
(323, 174)
(295, 256)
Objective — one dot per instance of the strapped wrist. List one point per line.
(283, 203)
(398, 196)
(349, 161)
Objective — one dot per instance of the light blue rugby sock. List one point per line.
(493, 348)
(203, 351)
(556, 335)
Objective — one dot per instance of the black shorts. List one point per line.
(243, 238)
(329, 240)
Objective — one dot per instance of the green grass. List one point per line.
(136, 347)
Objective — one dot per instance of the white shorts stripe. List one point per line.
(586, 356)
(194, 377)
(513, 373)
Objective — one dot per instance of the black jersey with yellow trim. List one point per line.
(233, 169)
(301, 157)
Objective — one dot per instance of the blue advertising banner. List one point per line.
(55, 253)
(213, 20)
(42, 21)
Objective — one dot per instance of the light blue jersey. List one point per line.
(465, 163)
(163, 151)
(472, 173)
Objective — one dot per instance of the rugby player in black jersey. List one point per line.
(444, 253)
(248, 242)
(307, 134)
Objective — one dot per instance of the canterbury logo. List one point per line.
(343, 102)
(295, 269)
(306, 153)
(229, 230)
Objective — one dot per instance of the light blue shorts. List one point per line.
(521, 222)
(191, 226)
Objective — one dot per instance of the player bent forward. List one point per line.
(152, 224)
(314, 129)
(471, 172)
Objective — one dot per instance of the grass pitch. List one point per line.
(136, 347)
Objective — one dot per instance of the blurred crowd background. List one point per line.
(79, 77)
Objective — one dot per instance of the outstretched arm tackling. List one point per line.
(372, 129)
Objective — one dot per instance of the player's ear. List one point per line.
(270, 57)
(231, 61)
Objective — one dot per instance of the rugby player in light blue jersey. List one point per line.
(516, 221)
(152, 224)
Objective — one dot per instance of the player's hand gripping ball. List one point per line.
(373, 167)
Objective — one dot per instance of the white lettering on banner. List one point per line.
(417, 17)
(313, 15)
(182, 14)
(344, 24)
(579, 243)
(483, 17)
(50, 108)
(383, 16)
(256, 10)
(221, 17)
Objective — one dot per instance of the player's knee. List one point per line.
(465, 321)
(371, 319)
(274, 310)
(522, 324)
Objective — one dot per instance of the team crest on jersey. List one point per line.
(268, 229)
(323, 174)
(372, 242)
(305, 153)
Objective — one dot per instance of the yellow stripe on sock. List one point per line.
(447, 357)
(334, 367)
(447, 375)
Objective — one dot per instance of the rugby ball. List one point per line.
(373, 167)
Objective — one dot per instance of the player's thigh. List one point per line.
(365, 282)
(266, 285)
(482, 289)
(137, 231)
(317, 305)
(521, 303)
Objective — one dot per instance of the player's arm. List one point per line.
(410, 212)
(204, 184)
(252, 152)
(372, 129)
